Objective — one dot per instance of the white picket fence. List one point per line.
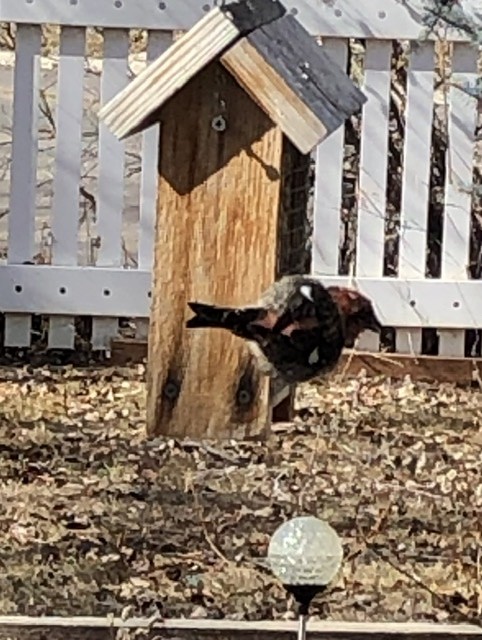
(102, 267)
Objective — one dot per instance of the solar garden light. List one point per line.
(305, 554)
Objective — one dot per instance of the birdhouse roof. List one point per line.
(269, 53)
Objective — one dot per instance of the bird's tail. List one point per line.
(210, 315)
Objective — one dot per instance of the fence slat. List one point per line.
(158, 42)
(23, 176)
(373, 169)
(111, 175)
(416, 178)
(328, 184)
(68, 160)
(462, 118)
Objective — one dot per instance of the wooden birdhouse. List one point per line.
(242, 98)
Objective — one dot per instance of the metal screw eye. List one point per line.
(218, 123)
(171, 390)
(244, 397)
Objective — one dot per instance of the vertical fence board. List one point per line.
(23, 177)
(373, 169)
(416, 178)
(158, 42)
(462, 118)
(68, 159)
(111, 176)
(328, 185)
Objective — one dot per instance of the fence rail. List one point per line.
(62, 291)
(386, 19)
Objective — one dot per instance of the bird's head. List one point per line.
(357, 313)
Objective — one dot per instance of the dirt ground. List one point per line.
(95, 519)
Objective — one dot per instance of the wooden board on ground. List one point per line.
(393, 365)
(398, 365)
(91, 628)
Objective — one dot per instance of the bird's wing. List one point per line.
(301, 318)
(299, 313)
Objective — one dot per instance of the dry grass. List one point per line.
(95, 519)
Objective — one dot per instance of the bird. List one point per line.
(297, 329)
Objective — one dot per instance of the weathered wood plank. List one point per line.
(397, 366)
(216, 241)
(86, 628)
(131, 109)
(281, 104)
(416, 178)
(390, 365)
(308, 69)
(248, 16)
(295, 81)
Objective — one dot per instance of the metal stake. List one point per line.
(302, 626)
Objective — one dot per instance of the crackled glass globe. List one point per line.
(305, 551)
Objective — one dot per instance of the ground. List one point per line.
(96, 519)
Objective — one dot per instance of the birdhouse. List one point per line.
(241, 98)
